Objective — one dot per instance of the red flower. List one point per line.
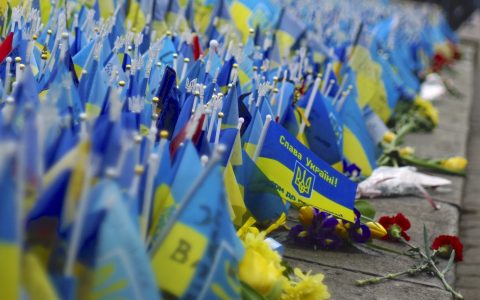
(396, 227)
(444, 244)
(439, 61)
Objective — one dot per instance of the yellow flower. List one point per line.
(305, 287)
(427, 109)
(389, 136)
(247, 227)
(377, 230)
(406, 151)
(305, 215)
(455, 163)
(341, 229)
(261, 267)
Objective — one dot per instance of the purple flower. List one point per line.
(359, 233)
(299, 235)
(320, 234)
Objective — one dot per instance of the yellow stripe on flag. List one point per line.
(282, 176)
(35, 280)
(136, 16)
(234, 196)
(368, 75)
(107, 8)
(162, 201)
(174, 264)
(353, 151)
(240, 15)
(285, 41)
(10, 274)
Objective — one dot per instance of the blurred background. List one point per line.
(457, 11)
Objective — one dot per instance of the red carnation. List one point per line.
(396, 227)
(439, 61)
(444, 244)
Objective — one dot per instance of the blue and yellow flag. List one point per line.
(183, 261)
(325, 143)
(121, 266)
(358, 146)
(289, 30)
(9, 230)
(302, 178)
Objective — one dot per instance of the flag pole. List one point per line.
(280, 99)
(261, 139)
(216, 157)
(219, 127)
(308, 109)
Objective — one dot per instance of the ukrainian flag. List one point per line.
(367, 73)
(289, 30)
(136, 15)
(183, 258)
(248, 14)
(301, 178)
(121, 268)
(9, 230)
(325, 143)
(358, 146)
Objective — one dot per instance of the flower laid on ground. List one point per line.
(455, 163)
(426, 109)
(263, 271)
(321, 230)
(305, 287)
(357, 232)
(445, 244)
(406, 151)
(377, 230)
(261, 266)
(414, 116)
(389, 136)
(320, 233)
(396, 227)
(394, 155)
(306, 214)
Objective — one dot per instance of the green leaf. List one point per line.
(425, 241)
(248, 293)
(288, 269)
(450, 263)
(365, 208)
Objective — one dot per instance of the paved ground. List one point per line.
(468, 273)
(452, 137)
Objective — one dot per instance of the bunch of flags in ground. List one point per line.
(136, 135)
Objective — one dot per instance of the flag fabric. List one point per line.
(181, 260)
(10, 249)
(152, 118)
(302, 178)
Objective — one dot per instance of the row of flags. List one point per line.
(135, 136)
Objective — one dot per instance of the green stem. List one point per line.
(375, 246)
(434, 268)
(411, 160)
(402, 132)
(373, 280)
(440, 275)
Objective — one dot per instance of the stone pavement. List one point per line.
(452, 137)
(468, 275)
